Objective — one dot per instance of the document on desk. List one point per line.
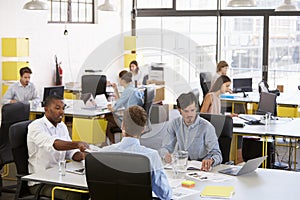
(101, 101)
(207, 176)
(192, 165)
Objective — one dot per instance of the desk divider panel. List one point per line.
(90, 130)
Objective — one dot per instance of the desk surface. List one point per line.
(261, 184)
(291, 99)
(76, 108)
(51, 176)
(288, 127)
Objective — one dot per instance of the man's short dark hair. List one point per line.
(134, 120)
(51, 98)
(24, 70)
(186, 99)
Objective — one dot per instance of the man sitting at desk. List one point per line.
(48, 141)
(23, 90)
(133, 124)
(191, 133)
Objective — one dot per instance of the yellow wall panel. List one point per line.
(15, 47)
(4, 88)
(130, 43)
(10, 70)
(128, 58)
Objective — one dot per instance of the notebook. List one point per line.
(217, 191)
(249, 166)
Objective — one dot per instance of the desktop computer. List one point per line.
(252, 148)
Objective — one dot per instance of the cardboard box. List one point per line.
(159, 94)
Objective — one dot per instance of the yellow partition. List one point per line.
(10, 70)
(89, 130)
(70, 95)
(287, 111)
(15, 47)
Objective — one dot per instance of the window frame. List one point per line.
(69, 12)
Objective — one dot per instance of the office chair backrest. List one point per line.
(18, 141)
(95, 84)
(149, 95)
(267, 104)
(11, 113)
(197, 94)
(122, 176)
(224, 126)
(263, 86)
(205, 82)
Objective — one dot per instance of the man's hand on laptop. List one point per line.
(206, 164)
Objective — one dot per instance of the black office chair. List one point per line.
(205, 82)
(263, 86)
(197, 94)
(224, 126)
(11, 114)
(122, 176)
(267, 104)
(18, 141)
(149, 95)
(95, 84)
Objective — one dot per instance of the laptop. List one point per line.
(249, 166)
(89, 101)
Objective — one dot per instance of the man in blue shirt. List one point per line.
(23, 90)
(133, 124)
(191, 133)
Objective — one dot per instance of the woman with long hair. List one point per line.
(212, 103)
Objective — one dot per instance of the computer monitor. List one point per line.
(94, 84)
(242, 85)
(54, 90)
(267, 103)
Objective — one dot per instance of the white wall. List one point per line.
(47, 40)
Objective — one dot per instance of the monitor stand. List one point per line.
(245, 95)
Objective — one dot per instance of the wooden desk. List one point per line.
(261, 184)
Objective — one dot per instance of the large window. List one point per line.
(71, 11)
(256, 41)
(241, 47)
(284, 61)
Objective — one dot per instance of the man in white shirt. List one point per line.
(22, 90)
(48, 140)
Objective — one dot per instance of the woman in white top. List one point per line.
(212, 103)
(137, 76)
(222, 68)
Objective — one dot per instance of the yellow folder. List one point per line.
(218, 191)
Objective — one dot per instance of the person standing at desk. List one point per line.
(222, 68)
(212, 103)
(136, 72)
(48, 141)
(22, 90)
(133, 124)
(130, 96)
(191, 133)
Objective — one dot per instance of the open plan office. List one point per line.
(103, 99)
